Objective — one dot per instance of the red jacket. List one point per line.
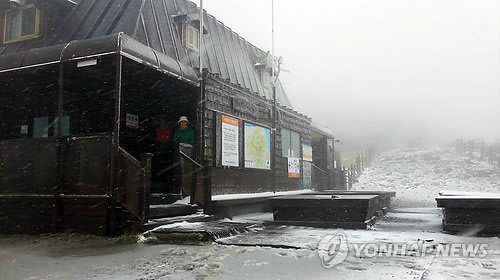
(164, 134)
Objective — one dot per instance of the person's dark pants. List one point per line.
(178, 170)
(162, 166)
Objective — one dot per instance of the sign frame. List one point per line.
(230, 155)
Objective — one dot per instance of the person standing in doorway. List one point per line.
(185, 134)
(163, 139)
(184, 139)
(163, 136)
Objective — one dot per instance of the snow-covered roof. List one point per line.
(321, 129)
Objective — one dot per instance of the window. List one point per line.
(192, 38)
(290, 143)
(21, 23)
(267, 79)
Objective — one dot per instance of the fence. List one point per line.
(353, 165)
(65, 184)
(479, 150)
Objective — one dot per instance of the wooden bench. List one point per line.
(327, 210)
(228, 206)
(470, 212)
(384, 197)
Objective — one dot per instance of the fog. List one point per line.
(383, 70)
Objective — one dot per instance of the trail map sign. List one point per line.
(230, 155)
(257, 147)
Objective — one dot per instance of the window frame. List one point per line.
(8, 23)
(267, 79)
(195, 45)
(289, 145)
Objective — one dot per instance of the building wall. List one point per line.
(223, 98)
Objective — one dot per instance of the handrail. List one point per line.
(88, 136)
(8, 195)
(194, 175)
(131, 158)
(319, 168)
(190, 159)
(84, 196)
(54, 138)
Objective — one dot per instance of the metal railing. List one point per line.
(190, 169)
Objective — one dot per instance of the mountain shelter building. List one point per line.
(85, 86)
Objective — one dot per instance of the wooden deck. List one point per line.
(351, 210)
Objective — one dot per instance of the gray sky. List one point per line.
(386, 68)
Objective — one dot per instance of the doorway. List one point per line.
(152, 103)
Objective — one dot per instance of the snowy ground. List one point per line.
(416, 175)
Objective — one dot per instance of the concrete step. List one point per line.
(187, 231)
(164, 198)
(171, 210)
(193, 218)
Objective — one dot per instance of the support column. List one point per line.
(60, 105)
(273, 141)
(115, 147)
(59, 163)
(146, 162)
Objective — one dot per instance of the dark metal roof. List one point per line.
(224, 52)
(83, 49)
(151, 22)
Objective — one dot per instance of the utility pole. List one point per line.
(202, 86)
(273, 165)
(207, 189)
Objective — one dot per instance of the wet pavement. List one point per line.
(265, 250)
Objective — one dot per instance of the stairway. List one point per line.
(162, 205)
(163, 211)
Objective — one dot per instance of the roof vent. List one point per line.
(193, 19)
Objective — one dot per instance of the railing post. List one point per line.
(207, 189)
(345, 178)
(146, 162)
(194, 182)
(59, 213)
(352, 176)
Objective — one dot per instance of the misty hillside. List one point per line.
(418, 175)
